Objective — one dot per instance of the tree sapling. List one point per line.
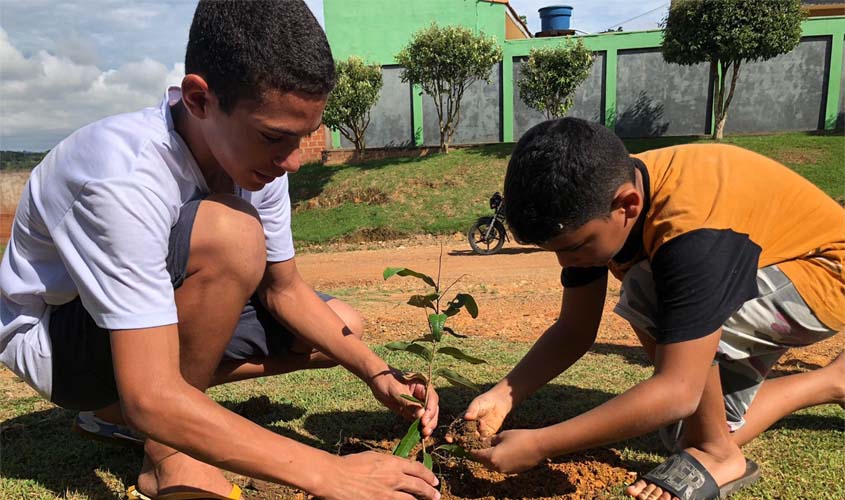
(428, 347)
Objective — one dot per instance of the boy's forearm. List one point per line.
(187, 420)
(562, 344)
(644, 408)
(674, 392)
(555, 351)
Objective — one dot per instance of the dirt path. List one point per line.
(518, 292)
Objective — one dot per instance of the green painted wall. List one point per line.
(377, 29)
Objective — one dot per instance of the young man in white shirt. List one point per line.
(140, 238)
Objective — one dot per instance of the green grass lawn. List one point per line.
(446, 193)
(800, 456)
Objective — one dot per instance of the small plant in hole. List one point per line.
(429, 348)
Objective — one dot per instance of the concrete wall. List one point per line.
(391, 117)
(481, 114)
(655, 98)
(783, 93)
(588, 98)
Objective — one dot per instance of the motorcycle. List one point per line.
(488, 234)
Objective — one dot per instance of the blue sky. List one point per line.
(66, 63)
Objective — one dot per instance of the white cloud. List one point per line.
(105, 33)
(65, 63)
(45, 97)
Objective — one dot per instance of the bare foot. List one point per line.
(179, 472)
(725, 464)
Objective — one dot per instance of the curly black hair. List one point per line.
(245, 48)
(562, 174)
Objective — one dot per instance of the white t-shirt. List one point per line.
(94, 221)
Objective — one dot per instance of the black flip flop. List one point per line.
(682, 476)
(751, 476)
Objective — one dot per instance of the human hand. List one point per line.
(389, 387)
(378, 475)
(489, 410)
(511, 451)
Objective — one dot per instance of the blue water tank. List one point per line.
(555, 17)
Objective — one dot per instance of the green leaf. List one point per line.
(404, 271)
(411, 439)
(458, 354)
(411, 399)
(462, 300)
(419, 350)
(456, 379)
(436, 322)
(427, 461)
(454, 450)
(423, 300)
(453, 333)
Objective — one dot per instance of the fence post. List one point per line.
(834, 76)
(417, 115)
(507, 96)
(610, 58)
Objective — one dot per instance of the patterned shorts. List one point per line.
(753, 338)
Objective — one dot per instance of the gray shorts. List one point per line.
(753, 338)
(83, 374)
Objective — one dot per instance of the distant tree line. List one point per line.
(20, 160)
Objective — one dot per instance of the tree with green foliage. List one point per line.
(727, 33)
(552, 74)
(20, 160)
(444, 62)
(356, 91)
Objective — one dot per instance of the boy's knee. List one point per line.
(353, 320)
(228, 238)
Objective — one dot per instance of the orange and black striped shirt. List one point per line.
(717, 213)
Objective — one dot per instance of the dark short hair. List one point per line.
(245, 48)
(562, 174)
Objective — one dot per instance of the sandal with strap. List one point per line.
(90, 426)
(682, 476)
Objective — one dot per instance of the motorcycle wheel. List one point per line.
(477, 236)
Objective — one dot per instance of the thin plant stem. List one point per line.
(429, 383)
(453, 283)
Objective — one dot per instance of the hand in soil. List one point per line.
(489, 411)
(377, 475)
(511, 451)
(465, 434)
(389, 387)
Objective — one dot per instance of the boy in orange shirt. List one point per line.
(727, 259)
